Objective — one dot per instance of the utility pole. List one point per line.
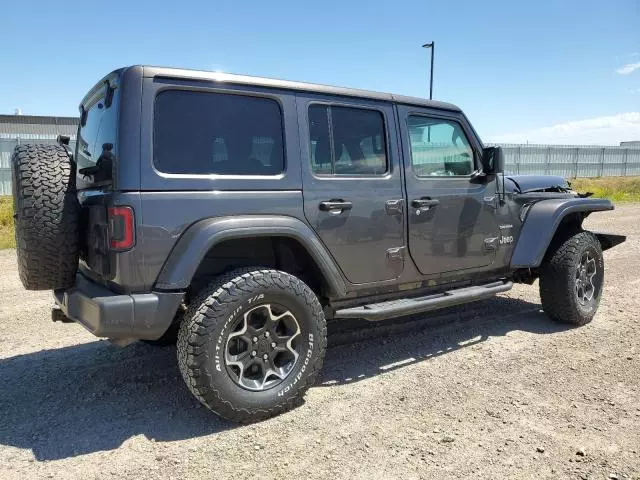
(432, 46)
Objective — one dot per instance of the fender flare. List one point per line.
(199, 238)
(541, 223)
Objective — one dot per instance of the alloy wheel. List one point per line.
(585, 273)
(262, 348)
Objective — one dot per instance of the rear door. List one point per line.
(451, 214)
(352, 184)
(96, 157)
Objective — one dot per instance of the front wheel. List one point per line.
(571, 279)
(251, 343)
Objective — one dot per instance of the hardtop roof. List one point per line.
(220, 77)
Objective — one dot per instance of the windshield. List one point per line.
(96, 148)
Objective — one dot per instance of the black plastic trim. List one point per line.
(609, 240)
(408, 306)
(541, 223)
(107, 314)
(179, 269)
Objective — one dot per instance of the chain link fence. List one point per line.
(569, 161)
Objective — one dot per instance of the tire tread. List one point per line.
(556, 291)
(208, 307)
(46, 216)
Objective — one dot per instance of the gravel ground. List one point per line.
(493, 390)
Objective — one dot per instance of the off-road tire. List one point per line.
(46, 216)
(558, 276)
(202, 334)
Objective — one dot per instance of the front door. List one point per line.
(353, 194)
(451, 211)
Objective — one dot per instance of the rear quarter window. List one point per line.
(217, 133)
(96, 147)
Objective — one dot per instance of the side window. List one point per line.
(347, 141)
(217, 133)
(439, 147)
(320, 142)
(96, 147)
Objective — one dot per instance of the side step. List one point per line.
(407, 306)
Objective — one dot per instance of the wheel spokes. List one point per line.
(584, 286)
(262, 348)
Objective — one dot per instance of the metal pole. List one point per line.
(432, 46)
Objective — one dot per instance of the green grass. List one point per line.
(7, 237)
(616, 189)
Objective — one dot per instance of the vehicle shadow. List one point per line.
(364, 350)
(92, 397)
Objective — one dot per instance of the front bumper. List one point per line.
(144, 316)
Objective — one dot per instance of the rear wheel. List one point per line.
(251, 344)
(571, 279)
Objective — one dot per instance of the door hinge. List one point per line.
(395, 253)
(491, 244)
(491, 201)
(394, 207)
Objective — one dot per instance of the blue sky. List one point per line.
(555, 71)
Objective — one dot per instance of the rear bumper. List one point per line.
(144, 316)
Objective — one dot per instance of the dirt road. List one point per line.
(492, 390)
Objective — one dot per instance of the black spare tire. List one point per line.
(46, 216)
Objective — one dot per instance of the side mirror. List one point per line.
(492, 160)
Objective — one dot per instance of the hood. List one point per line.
(539, 183)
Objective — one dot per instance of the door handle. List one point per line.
(335, 206)
(425, 203)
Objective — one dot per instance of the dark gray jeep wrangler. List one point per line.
(236, 214)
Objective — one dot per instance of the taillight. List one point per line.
(121, 228)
